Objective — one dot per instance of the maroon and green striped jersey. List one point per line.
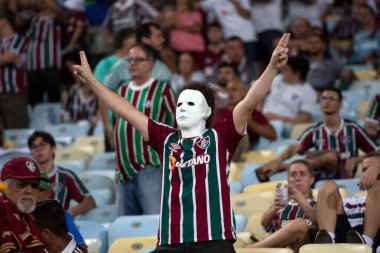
(195, 197)
(66, 186)
(347, 140)
(157, 101)
(373, 114)
(44, 50)
(13, 76)
(289, 213)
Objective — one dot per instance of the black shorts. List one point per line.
(342, 227)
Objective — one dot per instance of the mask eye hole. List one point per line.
(179, 104)
(191, 103)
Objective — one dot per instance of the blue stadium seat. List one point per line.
(248, 175)
(103, 161)
(241, 220)
(133, 226)
(102, 214)
(93, 230)
(235, 187)
(18, 136)
(350, 185)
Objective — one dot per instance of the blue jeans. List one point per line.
(142, 194)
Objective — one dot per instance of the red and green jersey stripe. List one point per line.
(44, 49)
(373, 114)
(155, 100)
(195, 197)
(12, 76)
(347, 140)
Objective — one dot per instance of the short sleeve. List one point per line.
(226, 130)
(157, 135)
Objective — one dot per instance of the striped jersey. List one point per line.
(354, 207)
(66, 186)
(373, 114)
(289, 213)
(44, 50)
(13, 76)
(78, 107)
(195, 196)
(156, 100)
(347, 140)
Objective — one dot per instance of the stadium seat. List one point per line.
(97, 142)
(336, 248)
(298, 129)
(242, 239)
(254, 227)
(263, 187)
(133, 226)
(45, 113)
(360, 194)
(102, 214)
(71, 153)
(93, 230)
(96, 181)
(102, 197)
(258, 156)
(342, 192)
(362, 108)
(73, 130)
(235, 170)
(103, 161)
(94, 245)
(99, 129)
(263, 250)
(236, 187)
(245, 203)
(364, 75)
(18, 136)
(77, 166)
(8, 155)
(248, 175)
(283, 175)
(241, 220)
(132, 244)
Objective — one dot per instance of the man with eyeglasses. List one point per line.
(65, 184)
(137, 165)
(19, 232)
(335, 143)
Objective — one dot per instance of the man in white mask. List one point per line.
(196, 210)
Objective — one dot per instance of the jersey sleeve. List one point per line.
(77, 190)
(306, 140)
(373, 113)
(365, 143)
(228, 134)
(157, 135)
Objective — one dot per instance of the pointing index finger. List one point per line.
(284, 40)
(83, 58)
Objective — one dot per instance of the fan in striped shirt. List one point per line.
(331, 146)
(196, 211)
(51, 220)
(292, 223)
(353, 219)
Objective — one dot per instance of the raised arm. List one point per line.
(117, 104)
(260, 88)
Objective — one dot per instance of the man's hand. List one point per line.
(368, 177)
(83, 71)
(295, 194)
(280, 53)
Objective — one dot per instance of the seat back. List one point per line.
(247, 204)
(103, 161)
(132, 244)
(336, 248)
(71, 153)
(96, 142)
(93, 230)
(133, 226)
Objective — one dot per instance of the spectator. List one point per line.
(185, 27)
(127, 14)
(292, 99)
(80, 104)
(186, 72)
(13, 99)
(234, 17)
(353, 219)
(291, 224)
(214, 51)
(123, 40)
(248, 70)
(372, 120)
(65, 184)
(196, 212)
(257, 124)
(300, 29)
(311, 10)
(336, 142)
(44, 66)
(267, 19)
(50, 218)
(138, 167)
(18, 228)
(324, 71)
(46, 192)
(366, 43)
(151, 35)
